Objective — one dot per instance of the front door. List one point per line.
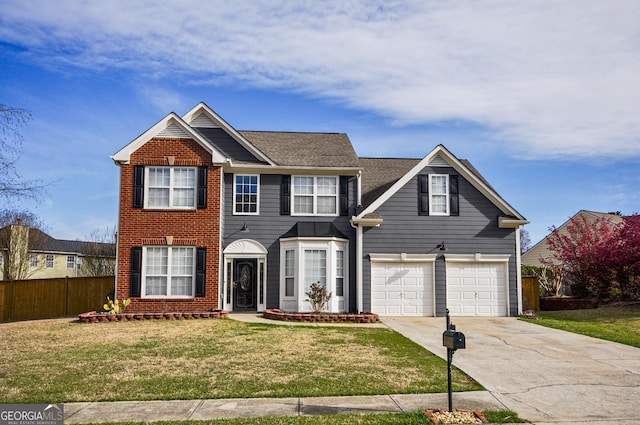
(245, 284)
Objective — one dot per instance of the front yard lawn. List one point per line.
(62, 361)
(618, 323)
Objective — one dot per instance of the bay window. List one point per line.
(308, 261)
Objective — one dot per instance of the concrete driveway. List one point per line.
(545, 375)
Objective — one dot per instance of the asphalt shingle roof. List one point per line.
(305, 149)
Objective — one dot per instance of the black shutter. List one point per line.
(423, 194)
(138, 186)
(135, 284)
(285, 195)
(202, 187)
(344, 195)
(454, 202)
(201, 271)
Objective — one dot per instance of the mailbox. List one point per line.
(453, 340)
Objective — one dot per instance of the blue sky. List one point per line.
(541, 96)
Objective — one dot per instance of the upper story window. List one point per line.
(48, 263)
(315, 195)
(71, 262)
(170, 187)
(33, 262)
(439, 194)
(246, 194)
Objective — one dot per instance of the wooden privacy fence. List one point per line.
(48, 298)
(530, 293)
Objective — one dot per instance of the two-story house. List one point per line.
(216, 218)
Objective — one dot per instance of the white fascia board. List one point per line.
(204, 108)
(511, 223)
(477, 258)
(460, 168)
(402, 258)
(231, 166)
(366, 221)
(123, 155)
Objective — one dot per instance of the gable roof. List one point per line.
(390, 178)
(332, 150)
(171, 126)
(204, 117)
(42, 242)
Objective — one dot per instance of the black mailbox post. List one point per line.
(453, 340)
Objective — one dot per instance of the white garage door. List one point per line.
(476, 289)
(402, 289)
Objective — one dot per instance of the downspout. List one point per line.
(518, 270)
(358, 228)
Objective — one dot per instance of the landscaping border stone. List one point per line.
(95, 317)
(275, 314)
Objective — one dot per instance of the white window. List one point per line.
(170, 187)
(315, 195)
(71, 262)
(168, 271)
(340, 273)
(320, 260)
(289, 273)
(49, 261)
(315, 268)
(439, 194)
(33, 262)
(246, 194)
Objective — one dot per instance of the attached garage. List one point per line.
(402, 285)
(476, 286)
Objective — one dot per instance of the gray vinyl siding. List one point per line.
(269, 226)
(475, 230)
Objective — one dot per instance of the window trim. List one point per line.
(235, 193)
(315, 196)
(73, 261)
(34, 261)
(432, 195)
(171, 188)
(49, 261)
(169, 275)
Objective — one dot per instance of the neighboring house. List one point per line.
(216, 218)
(541, 250)
(44, 257)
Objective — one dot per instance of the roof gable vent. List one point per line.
(173, 131)
(439, 161)
(203, 121)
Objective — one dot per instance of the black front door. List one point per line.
(245, 284)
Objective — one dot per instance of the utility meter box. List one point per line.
(453, 340)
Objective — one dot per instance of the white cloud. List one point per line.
(548, 78)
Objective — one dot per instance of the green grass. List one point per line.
(63, 361)
(411, 418)
(613, 323)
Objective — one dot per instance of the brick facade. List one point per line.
(198, 227)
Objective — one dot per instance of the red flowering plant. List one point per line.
(600, 258)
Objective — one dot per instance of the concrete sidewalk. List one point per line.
(174, 410)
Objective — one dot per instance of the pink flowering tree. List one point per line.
(580, 252)
(624, 258)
